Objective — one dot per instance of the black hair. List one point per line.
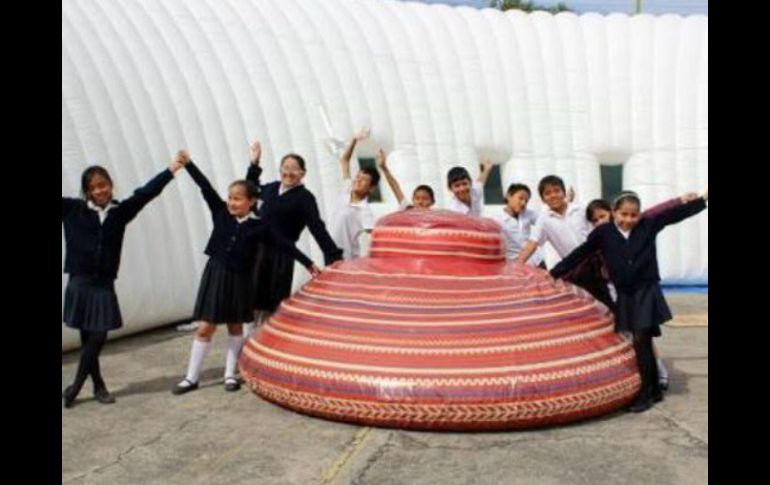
(626, 197)
(456, 174)
(425, 188)
(513, 188)
(88, 174)
(373, 173)
(550, 180)
(252, 190)
(594, 205)
(299, 159)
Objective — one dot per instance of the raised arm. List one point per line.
(254, 171)
(130, 207)
(486, 169)
(348, 153)
(678, 213)
(392, 182)
(213, 200)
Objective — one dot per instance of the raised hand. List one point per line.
(179, 161)
(255, 152)
(381, 160)
(362, 134)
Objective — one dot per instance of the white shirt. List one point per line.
(516, 231)
(564, 232)
(245, 218)
(282, 189)
(349, 221)
(101, 211)
(477, 201)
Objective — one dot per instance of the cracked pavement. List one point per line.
(212, 437)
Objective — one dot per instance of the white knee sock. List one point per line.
(234, 344)
(197, 356)
(662, 371)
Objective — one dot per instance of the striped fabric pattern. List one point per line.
(454, 338)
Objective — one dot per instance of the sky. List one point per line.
(658, 7)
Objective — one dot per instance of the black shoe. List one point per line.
(104, 396)
(69, 397)
(663, 383)
(641, 405)
(232, 385)
(179, 389)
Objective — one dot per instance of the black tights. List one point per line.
(93, 342)
(648, 367)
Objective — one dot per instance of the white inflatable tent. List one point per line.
(440, 86)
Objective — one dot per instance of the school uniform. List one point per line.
(477, 201)
(350, 221)
(566, 232)
(516, 232)
(592, 274)
(288, 211)
(226, 291)
(631, 260)
(94, 242)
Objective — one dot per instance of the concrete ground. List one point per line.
(213, 437)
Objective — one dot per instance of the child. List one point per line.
(289, 207)
(563, 224)
(628, 249)
(517, 222)
(226, 289)
(352, 217)
(93, 231)
(467, 197)
(422, 196)
(599, 212)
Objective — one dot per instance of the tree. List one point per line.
(526, 6)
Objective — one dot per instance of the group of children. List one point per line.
(252, 251)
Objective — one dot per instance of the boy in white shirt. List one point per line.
(562, 223)
(352, 217)
(517, 222)
(467, 197)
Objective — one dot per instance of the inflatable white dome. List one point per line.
(439, 86)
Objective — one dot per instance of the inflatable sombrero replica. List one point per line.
(437, 331)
